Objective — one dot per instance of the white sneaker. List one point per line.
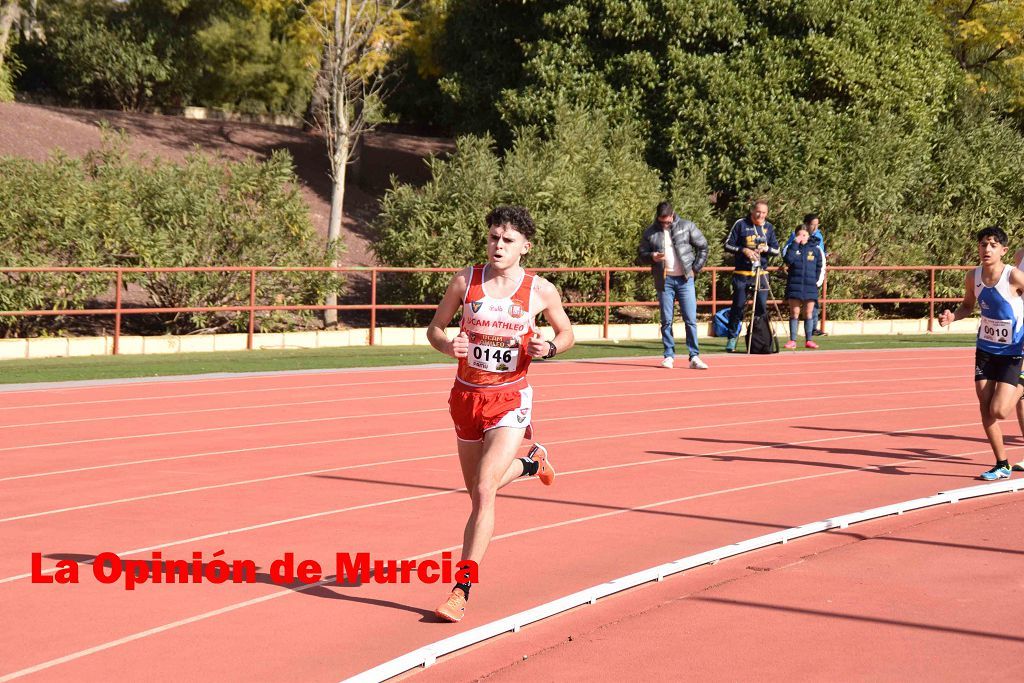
(668, 362)
(697, 364)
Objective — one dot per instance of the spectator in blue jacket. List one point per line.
(751, 240)
(805, 263)
(813, 224)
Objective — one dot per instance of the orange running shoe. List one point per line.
(454, 608)
(546, 473)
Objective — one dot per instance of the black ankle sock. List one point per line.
(1003, 463)
(530, 467)
(464, 587)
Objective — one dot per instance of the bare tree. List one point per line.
(15, 13)
(354, 34)
(10, 14)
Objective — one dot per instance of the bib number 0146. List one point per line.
(492, 355)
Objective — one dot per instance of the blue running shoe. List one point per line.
(996, 473)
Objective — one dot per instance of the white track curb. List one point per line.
(428, 654)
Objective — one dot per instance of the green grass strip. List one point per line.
(158, 365)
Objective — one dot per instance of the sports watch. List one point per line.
(552, 350)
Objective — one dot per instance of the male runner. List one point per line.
(491, 401)
(997, 288)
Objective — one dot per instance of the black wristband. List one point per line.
(552, 350)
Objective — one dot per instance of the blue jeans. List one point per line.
(678, 287)
(742, 287)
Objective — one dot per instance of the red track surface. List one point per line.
(653, 465)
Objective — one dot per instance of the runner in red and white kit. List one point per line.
(492, 403)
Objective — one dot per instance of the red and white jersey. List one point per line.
(498, 331)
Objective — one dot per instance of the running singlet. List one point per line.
(1001, 331)
(498, 331)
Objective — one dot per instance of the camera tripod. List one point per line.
(758, 274)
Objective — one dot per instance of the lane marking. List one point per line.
(339, 418)
(279, 594)
(447, 376)
(545, 387)
(326, 513)
(87, 506)
(427, 655)
(379, 436)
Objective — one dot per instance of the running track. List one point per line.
(652, 466)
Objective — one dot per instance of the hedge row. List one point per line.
(110, 209)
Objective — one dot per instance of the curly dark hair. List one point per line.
(516, 216)
(995, 232)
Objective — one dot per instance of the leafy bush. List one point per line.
(110, 210)
(239, 56)
(10, 67)
(95, 54)
(48, 217)
(586, 186)
(245, 67)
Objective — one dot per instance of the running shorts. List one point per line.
(997, 368)
(474, 412)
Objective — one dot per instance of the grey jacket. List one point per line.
(689, 242)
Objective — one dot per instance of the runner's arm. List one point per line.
(1017, 279)
(555, 314)
(446, 310)
(966, 306)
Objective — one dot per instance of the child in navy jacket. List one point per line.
(806, 267)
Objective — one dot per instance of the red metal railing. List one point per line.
(252, 308)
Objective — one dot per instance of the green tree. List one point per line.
(740, 87)
(92, 52)
(240, 55)
(987, 39)
(585, 183)
(855, 109)
(252, 66)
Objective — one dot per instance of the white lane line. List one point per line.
(280, 594)
(427, 655)
(162, 494)
(207, 430)
(546, 387)
(340, 418)
(668, 459)
(373, 436)
(249, 449)
(446, 377)
(202, 411)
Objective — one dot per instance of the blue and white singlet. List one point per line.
(1001, 331)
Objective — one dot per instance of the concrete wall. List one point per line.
(53, 347)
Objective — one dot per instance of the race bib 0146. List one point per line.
(493, 358)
